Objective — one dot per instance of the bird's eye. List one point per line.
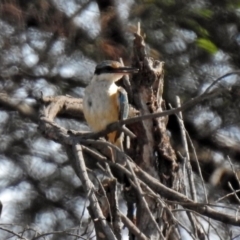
(108, 68)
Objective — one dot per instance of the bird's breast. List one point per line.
(100, 105)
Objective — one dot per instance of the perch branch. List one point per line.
(60, 135)
(119, 124)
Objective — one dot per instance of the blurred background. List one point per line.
(53, 46)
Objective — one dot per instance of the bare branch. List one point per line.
(13, 233)
(190, 103)
(142, 198)
(132, 228)
(81, 172)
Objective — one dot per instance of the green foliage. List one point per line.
(205, 13)
(196, 27)
(207, 45)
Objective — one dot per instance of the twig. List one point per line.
(105, 196)
(83, 211)
(88, 187)
(234, 192)
(157, 198)
(186, 151)
(109, 170)
(58, 232)
(233, 169)
(198, 165)
(203, 204)
(227, 195)
(164, 206)
(142, 198)
(187, 164)
(13, 233)
(191, 210)
(187, 230)
(236, 176)
(132, 228)
(200, 208)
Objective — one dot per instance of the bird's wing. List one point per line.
(123, 103)
(123, 111)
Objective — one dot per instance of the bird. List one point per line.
(104, 102)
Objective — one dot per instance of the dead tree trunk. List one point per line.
(151, 150)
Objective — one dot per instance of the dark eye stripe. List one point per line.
(106, 69)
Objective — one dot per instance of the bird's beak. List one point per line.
(126, 70)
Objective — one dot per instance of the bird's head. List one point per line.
(112, 71)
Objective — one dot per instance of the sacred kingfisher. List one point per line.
(104, 102)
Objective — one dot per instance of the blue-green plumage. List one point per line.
(123, 103)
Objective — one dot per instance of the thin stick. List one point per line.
(81, 172)
(142, 198)
(228, 195)
(198, 165)
(132, 228)
(233, 169)
(186, 151)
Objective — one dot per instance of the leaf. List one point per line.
(207, 45)
(205, 13)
